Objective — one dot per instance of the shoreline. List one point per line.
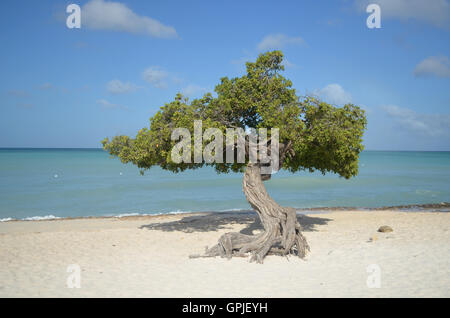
(148, 256)
(427, 207)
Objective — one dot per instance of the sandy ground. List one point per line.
(148, 257)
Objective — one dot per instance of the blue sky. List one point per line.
(62, 87)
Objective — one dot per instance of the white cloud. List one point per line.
(18, 93)
(107, 105)
(104, 103)
(242, 60)
(177, 80)
(334, 94)
(46, 86)
(193, 89)
(288, 64)
(433, 66)
(116, 16)
(118, 87)
(278, 41)
(424, 124)
(156, 76)
(436, 12)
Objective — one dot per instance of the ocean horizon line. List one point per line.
(100, 148)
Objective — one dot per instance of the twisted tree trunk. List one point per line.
(281, 233)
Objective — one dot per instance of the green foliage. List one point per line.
(321, 137)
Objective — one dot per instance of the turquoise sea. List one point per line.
(48, 183)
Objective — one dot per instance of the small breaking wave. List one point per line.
(123, 215)
(32, 218)
(433, 207)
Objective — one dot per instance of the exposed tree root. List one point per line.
(282, 232)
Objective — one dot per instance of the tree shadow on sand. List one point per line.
(214, 221)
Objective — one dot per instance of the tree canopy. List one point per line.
(313, 135)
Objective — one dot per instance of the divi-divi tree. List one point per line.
(312, 135)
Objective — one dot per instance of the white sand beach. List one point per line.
(149, 257)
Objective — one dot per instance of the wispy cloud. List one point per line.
(156, 76)
(288, 64)
(278, 41)
(423, 124)
(242, 60)
(433, 66)
(435, 12)
(116, 16)
(118, 87)
(334, 94)
(192, 90)
(18, 93)
(46, 86)
(107, 105)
